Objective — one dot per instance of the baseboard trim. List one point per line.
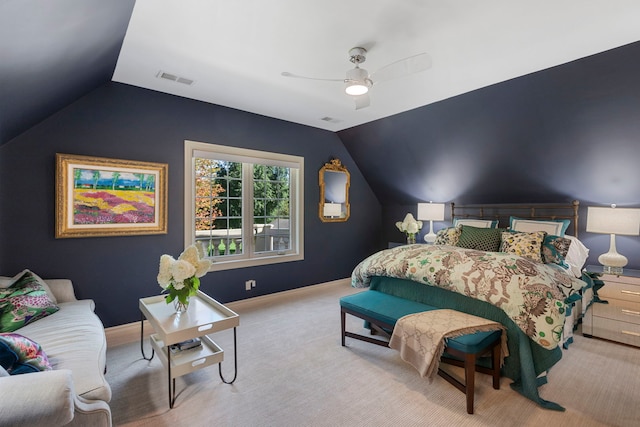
(130, 332)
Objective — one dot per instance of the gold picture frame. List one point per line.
(98, 197)
(334, 180)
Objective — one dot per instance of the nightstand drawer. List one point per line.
(621, 311)
(620, 291)
(627, 333)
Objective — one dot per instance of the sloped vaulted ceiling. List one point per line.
(52, 52)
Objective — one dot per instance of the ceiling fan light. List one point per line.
(356, 88)
(357, 81)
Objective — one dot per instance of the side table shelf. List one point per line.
(204, 316)
(187, 361)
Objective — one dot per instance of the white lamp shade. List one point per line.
(431, 211)
(621, 221)
(332, 209)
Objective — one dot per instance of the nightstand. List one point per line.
(619, 320)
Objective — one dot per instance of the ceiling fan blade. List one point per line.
(362, 101)
(403, 67)
(295, 76)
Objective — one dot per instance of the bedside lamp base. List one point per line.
(612, 262)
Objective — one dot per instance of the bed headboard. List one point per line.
(502, 213)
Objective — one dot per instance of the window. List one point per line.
(244, 207)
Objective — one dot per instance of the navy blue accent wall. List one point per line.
(569, 132)
(120, 121)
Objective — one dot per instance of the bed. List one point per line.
(531, 282)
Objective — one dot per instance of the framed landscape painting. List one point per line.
(109, 197)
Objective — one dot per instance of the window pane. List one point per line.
(235, 188)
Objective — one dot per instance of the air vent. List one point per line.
(330, 119)
(174, 78)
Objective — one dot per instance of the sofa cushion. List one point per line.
(74, 339)
(20, 355)
(23, 302)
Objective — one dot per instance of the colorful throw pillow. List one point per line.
(5, 282)
(448, 236)
(24, 302)
(482, 239)
(20, 355)
(555, 250)
(528, 245)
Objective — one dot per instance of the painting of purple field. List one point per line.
(109, 197)
(97, 196)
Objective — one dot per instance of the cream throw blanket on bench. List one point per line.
(420, 337)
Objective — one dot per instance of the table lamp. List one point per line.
(612, 221)
(430, 212)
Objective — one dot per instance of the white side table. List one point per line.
(204, 316)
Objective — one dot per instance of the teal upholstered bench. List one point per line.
(381, 311)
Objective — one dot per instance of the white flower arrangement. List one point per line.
(409, 226)
(181, 277)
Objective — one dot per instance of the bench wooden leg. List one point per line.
(469, 379)
(343, 316)
(495, 363)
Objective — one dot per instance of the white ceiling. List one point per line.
(235, 51)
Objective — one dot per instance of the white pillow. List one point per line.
(530, 226)
(577, 256)
(478, 223)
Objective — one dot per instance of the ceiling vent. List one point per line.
(174, 78)
(330, 119)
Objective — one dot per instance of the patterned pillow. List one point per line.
(24, 302)
(555, 250)
(20, 355)
(482, 239)
(448, 236)
(5, 282)
(528, 245)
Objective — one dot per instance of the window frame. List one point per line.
(296, 197)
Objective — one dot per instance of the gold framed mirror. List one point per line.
(334, 181)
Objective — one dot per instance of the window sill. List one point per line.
(254, 262)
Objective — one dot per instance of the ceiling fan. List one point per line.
(358, 81)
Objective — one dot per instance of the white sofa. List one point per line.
(75, 392)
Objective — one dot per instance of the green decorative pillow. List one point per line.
(5, 282)
(555, 250)
(528, 245)
(20, 355)
(448, 236)
(24, 302)
(482, 239)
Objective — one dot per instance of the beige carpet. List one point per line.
(294, 372)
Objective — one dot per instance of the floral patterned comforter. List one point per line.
(533, 295)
